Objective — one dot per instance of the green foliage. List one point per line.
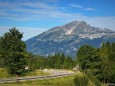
(111, 59)
(36, 62)
(68, 63)
(57, 61)
(107, 70)
(12, 52)
(93, 80)
(112, 53)
(81, 80)
(101, 62)
(60, 61)
(84, 54)
(87, 58)
(88, 79)
(4, 73)
(16, 64)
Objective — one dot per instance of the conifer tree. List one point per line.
(12, 51)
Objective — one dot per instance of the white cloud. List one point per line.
(81, 7)
(27, 11)
(102, 22)
(76, 6)
(90, 9)
(27, 31)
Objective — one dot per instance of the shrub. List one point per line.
(81, 80)
(93, 79)
(91, 83)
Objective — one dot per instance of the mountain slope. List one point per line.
(68, 38)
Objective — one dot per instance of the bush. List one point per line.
(91, 83)
(81, 80)
(93, 79)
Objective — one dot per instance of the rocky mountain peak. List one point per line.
(68, 38)
(76, 23)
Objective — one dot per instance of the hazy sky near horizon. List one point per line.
(33, 17)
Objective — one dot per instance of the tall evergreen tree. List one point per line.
(105, 62)
(84, 55)
(12, 51)
(112, 64)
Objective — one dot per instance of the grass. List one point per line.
(37, 73)
(4, 73)
(62, 81)
(104, 85)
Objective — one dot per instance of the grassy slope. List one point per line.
(62, 81)
(65, 81)
(4, 74)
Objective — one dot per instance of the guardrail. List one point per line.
(33, 78)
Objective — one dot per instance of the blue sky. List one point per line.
(36, 16)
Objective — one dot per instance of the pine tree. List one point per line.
(12, 51)
(84, 56)
(105, 69)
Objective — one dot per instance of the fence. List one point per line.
(33, 78)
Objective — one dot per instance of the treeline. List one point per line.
(57, 61)
(99, 62)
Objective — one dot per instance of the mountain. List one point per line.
(68, 38)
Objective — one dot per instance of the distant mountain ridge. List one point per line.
(68, 38)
